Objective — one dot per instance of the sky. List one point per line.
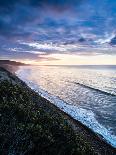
(58, 32)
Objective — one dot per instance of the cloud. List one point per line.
(113, 41)
(25, 56)
(33, 28)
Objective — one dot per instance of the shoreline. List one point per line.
(99, 145)
(74, 113)
(86, 117)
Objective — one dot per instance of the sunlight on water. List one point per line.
(90, 89)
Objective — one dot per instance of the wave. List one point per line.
(95, 89)
(86, 117)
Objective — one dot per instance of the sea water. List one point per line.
(87, 93)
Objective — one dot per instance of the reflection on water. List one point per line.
(92, 89)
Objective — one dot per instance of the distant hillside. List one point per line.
(11, 66)
(8, 62)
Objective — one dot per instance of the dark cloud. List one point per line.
(24, 56)
(18, 18)
(57, 22)
(113, 41)
(8, 6)
(18, 55)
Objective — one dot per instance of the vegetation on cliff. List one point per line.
(31, 125)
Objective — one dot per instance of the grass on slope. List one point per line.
(30, 129)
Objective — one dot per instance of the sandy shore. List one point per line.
(85, 136)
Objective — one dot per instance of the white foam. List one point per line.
(85, 116)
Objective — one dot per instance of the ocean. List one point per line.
(87, 93)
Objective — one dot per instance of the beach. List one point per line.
(86, 93)
(63, 134)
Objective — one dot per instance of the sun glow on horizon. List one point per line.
(67, 59)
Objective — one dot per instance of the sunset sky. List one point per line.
(58, 32)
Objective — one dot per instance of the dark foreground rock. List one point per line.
(31, 125)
